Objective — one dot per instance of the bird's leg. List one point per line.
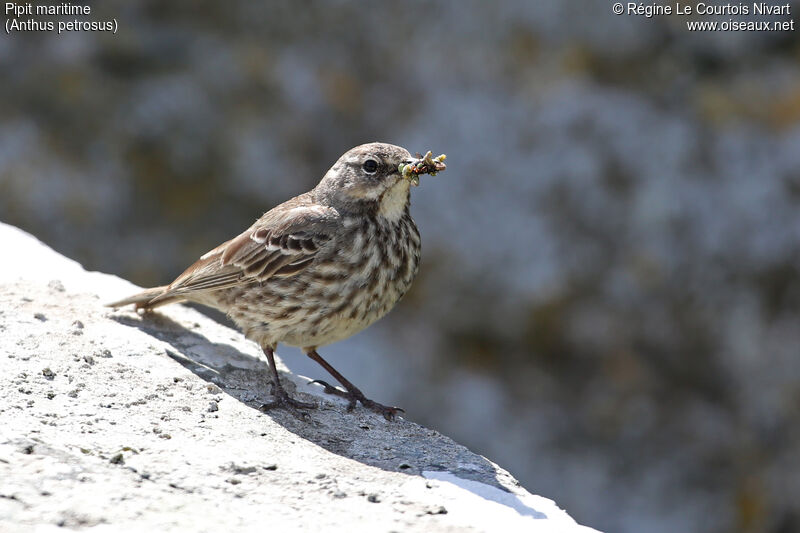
(281, 397)
(353, 393)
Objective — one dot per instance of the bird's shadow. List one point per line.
(360, 435)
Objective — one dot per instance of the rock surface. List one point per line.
(116, 421)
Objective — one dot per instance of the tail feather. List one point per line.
(148, 299)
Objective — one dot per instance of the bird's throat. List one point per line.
(394, 201)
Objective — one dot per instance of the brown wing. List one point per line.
(281, 243)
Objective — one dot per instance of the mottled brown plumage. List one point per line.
(317, 268)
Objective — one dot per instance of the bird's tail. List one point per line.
(148, 299)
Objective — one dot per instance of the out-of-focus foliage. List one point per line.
(609, 301)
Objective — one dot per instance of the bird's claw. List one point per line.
(389, 413)
(329, 389)
(333, 391)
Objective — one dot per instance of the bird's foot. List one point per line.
(389, 413)
(282, 399)
(330, 389)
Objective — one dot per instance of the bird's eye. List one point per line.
(370, 166)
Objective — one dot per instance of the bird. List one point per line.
(317, 268)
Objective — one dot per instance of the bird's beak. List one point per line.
(412, 168)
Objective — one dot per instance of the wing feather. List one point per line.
(282, 243)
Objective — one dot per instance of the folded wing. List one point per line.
(281, 244)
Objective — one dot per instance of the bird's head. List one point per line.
(371, 177)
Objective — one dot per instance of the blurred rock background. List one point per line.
(609, 300)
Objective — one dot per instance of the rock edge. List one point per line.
(116, 421)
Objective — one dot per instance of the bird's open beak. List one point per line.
(427, 164)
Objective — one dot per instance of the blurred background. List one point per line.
(609, 296)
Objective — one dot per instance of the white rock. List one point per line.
(107, 425)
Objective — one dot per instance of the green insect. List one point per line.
(424, 165)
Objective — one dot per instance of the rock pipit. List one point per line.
(317, 268)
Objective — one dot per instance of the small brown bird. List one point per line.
(317, 268)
